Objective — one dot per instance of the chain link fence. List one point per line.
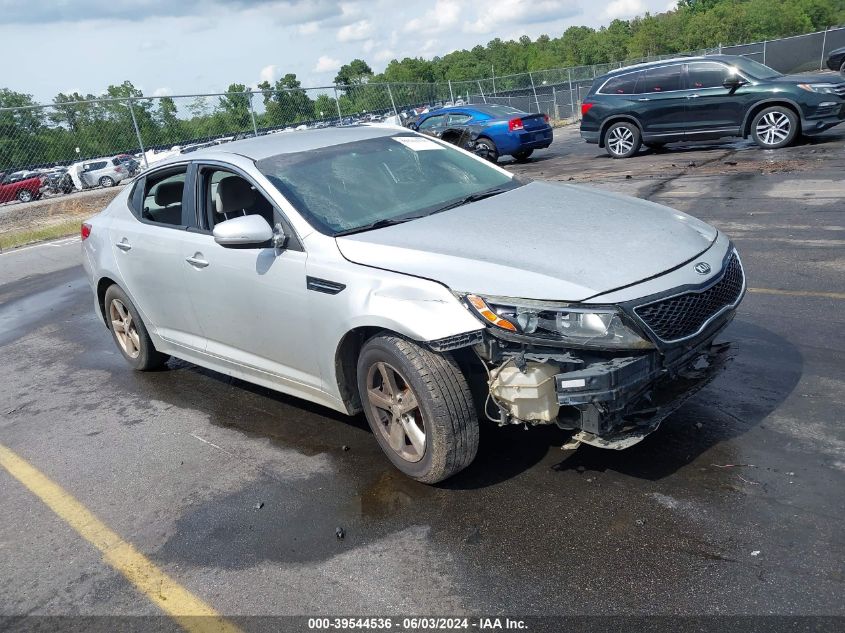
(40, 142)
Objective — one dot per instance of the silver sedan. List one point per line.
(373, 269)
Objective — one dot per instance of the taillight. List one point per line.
(119, 169)
(515, 125)
(86, 230)
(546, 118)
(585, 107)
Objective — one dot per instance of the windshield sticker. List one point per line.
(417, 143)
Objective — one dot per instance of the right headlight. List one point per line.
(579, 326)
(823, 88)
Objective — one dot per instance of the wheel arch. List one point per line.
(617, 119)
(768, 103)
(102, 286)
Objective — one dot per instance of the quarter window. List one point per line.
(703, 75)
(432, 122)
(623, 85)
(663, 79)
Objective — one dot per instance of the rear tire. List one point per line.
(523, 155)
(622, 140)
(25, 195)
(419, 407)
(106, 181)
(486, 148)
(774, 127)
(842, 69)
(129, 332)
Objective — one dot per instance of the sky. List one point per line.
(193, 46)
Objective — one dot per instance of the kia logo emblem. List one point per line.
(702, 268)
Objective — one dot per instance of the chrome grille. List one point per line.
(684, 315)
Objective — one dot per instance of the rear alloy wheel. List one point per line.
(25, 195)
(419, 407)
(842, 69)
(522, 155)
(774, 127)
(622, 140)
(129, 332)
(106, 181)
(487, 149)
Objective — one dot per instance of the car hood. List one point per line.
(539, 241)
(809, 78)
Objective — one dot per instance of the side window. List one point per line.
(227, 195)
(162, 202)
(704, 75)
(433, 122)
(664, 79)
(622, 85)
(459, 118)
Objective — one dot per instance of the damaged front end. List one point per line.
(610, 373)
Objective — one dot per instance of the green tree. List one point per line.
(354, 73)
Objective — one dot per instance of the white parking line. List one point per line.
(60, 242)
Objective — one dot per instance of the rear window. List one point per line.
(622, 85)
(496, 110)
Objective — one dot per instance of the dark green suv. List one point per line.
(700, 98)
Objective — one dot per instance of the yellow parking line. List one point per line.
(186, 609)
(798, 293)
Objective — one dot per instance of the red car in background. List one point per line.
(25, 189)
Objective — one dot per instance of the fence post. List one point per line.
(720, 48)
(554, 102)
(493, 74)
(571, 95)
(392, 102)
(481, 91)
(824, 43)
(252, 115)
(534, 90)
(764, 51)
(138, 134)
(337, 103)
(451, 96)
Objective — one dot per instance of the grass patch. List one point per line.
(20, 237)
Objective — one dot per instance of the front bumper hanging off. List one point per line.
(616, 403)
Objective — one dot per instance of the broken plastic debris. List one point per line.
(756, 552)
(339, 533)
(259, 505)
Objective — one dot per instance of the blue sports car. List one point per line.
(492, 130)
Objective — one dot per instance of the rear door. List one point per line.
(148, 244)
(663, 99)
(712, 108)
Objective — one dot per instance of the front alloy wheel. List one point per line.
(25, 195)
(774, 127)
(622, 140)
(419, 407)
(394, 405)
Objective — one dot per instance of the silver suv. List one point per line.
(373, 269)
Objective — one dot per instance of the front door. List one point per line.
(251, 303)
(712, 108)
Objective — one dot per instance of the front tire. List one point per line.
(842, 69)
(774, 127)
(487, 149)
(129, 332)
(25, 195)
(622, 140)
(419, 407)
(106, 181)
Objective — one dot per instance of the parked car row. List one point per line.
(702, 98)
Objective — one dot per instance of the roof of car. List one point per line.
(673, 60)
(261, 147)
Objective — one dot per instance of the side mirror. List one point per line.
(734, 82)
(247, 231)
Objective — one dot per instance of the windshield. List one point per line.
(755, 69)
(388, 179)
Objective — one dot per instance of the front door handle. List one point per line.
(695, 96)
(124, 245)
(197, 261)
(644, 99)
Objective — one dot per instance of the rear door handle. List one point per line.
(124, 245)
(696, 96)
(196, 261)
(644, 99)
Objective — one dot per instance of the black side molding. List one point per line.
(323, 285)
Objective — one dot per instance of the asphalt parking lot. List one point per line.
(735, 506)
